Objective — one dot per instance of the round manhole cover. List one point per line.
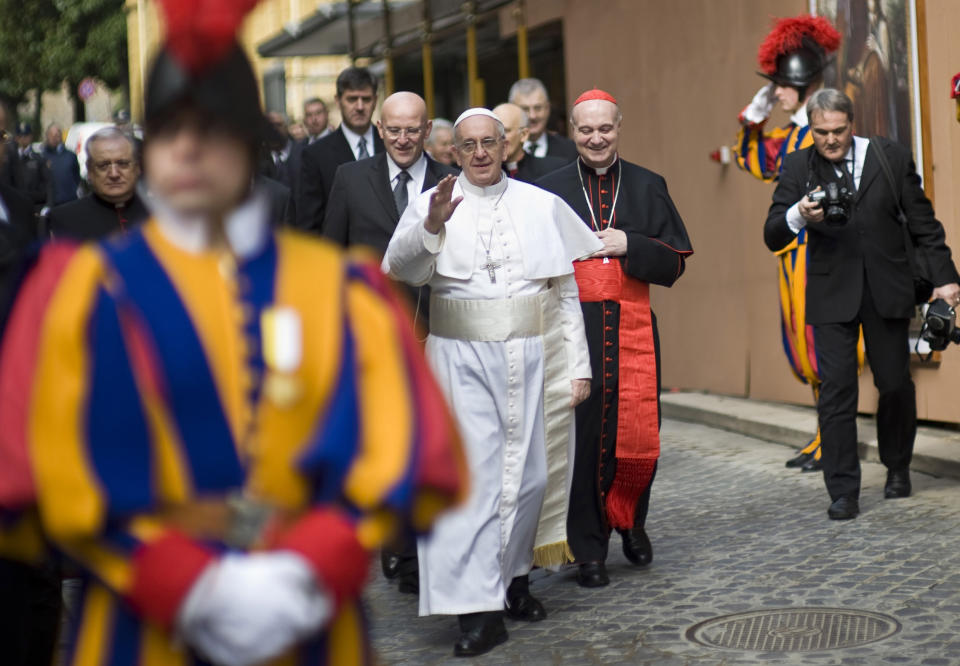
(794, 629)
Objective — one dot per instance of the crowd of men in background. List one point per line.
(553, 205)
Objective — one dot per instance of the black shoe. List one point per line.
(389, 562)
(800, 460)
(481, 638)
(592, 574)
(409, 583)
(812, 465)
(898, 484)
(637, 547)
(525, 607)
(844, 508)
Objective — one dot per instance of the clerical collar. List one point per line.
(600, 171)
(111, 205)
(246, 228)
(494, 190)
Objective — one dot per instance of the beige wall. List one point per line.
(682, 71)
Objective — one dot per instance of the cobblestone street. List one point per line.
(733, 531)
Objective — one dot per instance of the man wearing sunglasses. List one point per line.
(113, 170)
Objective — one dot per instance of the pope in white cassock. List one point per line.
(507, 345)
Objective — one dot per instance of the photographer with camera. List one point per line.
(859, 273)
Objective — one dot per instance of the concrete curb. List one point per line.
(936, 450)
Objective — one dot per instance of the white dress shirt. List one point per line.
(354, 139)
(859, 149)
(537, 148)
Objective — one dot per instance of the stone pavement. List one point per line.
(733, 531)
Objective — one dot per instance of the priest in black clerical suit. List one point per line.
(92, 217)
(355, 139)
(518, 164)
(618, 425)
(859, 275)
(113, 170)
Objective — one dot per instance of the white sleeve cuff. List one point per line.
(433, 243)
(794, 219)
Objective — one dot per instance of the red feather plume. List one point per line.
(201, 32)
(787, 35)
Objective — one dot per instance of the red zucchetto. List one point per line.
(596, 93)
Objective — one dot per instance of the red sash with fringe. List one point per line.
(638, 432)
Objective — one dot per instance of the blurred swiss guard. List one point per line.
(215, 420)
(792, 58)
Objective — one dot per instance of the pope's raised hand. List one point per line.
(442, 205)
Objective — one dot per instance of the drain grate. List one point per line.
(794, 629)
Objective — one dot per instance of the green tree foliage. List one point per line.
(46, 42)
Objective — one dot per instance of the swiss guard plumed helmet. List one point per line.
(201, 66)
(797, 50)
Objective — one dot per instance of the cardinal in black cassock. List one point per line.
(618, 441)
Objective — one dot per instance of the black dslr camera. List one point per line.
(940, 326)
(835, 199)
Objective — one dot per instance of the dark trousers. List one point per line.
(30, 605)
(594, 464)
(889, 357)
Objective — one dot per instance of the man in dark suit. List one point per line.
(113, 170)
(518, 163)
(366, 201)
(35, 179)
(531, 96)
(62, 166)
(353, 140)
(367, 196)
(275, 162)
(858, 274)
(18, 228)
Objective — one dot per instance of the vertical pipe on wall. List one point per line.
(388, 50)
(523, 53)
(427, 52)
(473, 87)
(352, 32)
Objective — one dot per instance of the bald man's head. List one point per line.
(404, 127)
(515, 126)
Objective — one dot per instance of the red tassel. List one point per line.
(201, 32)
(631, 480)
(787, 35)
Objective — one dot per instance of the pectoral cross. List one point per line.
(490, 267)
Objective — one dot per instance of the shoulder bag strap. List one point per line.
(901, 215)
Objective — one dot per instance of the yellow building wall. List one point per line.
(305, 77)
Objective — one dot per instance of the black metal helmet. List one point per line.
(796, 50)
(799, 68)
(201, 66)
(226, 90)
